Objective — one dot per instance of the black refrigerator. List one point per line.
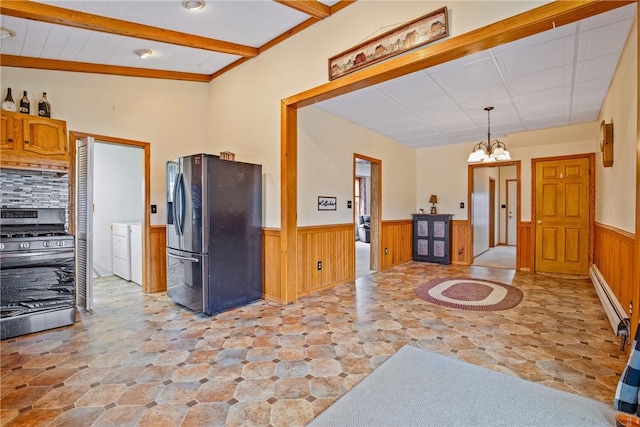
(214, 233)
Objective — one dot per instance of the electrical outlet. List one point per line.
(319, 265)
(386, 251)
(461, 205)
(348, 204)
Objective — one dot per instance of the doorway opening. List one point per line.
(494, 214)
(366, 209)
(110, 185)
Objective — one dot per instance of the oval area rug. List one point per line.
(470, 294)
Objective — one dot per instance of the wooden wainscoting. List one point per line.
(333, 246)
(459, 236)
(525, 244)
(271, 265)
(158, 276)
(614, 251)
(397, 240)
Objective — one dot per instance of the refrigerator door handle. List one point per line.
(178, 205)
(183, 258)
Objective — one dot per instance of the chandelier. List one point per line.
(489, 151)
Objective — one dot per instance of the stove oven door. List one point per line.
(37, 291)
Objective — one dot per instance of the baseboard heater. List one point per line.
(617, 316)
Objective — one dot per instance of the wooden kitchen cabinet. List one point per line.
(32, 142)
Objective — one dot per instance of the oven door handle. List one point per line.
(42, 254)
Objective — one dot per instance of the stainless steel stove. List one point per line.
(37, 271)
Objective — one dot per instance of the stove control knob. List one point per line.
(1, 246)
(60, 243)
(46, 243)
(24, 245)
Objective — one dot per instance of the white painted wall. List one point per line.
(170, 115)
(615, 186)
(326, 145)
(118, 196)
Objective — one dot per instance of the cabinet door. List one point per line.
(440, 239)
(11, 131)
(45, 137)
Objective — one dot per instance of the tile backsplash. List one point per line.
(33, 189)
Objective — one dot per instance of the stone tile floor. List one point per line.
(142, 360)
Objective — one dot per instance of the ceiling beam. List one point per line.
(72, 18)
(86, 67)
(310, 7)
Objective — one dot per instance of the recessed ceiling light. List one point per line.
(193, 4)
(143, 53)
(5, 33)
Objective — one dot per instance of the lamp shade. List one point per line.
(433, 199)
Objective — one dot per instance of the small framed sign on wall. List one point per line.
(327, 203)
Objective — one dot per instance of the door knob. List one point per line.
(539, 222)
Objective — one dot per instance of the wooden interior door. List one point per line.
(562, 212)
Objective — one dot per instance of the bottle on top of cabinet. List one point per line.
(44, 108)
(25, 105)
(8, 103)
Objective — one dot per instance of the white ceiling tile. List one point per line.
(468, 60)
(588, 95)
(390, 113)
(536, 58)
(543, 80)
(601, 41)
(544, 103)
(601, 67)
(479, 73)
(476, 98)
(365, 100)
(431, 104)
(418, 87)
(550, 35)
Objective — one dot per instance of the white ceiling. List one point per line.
(556, 78)
(250, 23)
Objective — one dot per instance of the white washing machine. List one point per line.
(127, 251)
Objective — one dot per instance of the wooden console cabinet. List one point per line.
(33, 142)
(432, 238)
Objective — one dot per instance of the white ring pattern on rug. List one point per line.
(497, 294)
(467, 293)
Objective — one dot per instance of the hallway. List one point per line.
(497, 257)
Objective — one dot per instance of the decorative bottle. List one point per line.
(44, 108)
(8, 103)
(25, 105)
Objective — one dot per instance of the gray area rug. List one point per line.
(416, 387)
